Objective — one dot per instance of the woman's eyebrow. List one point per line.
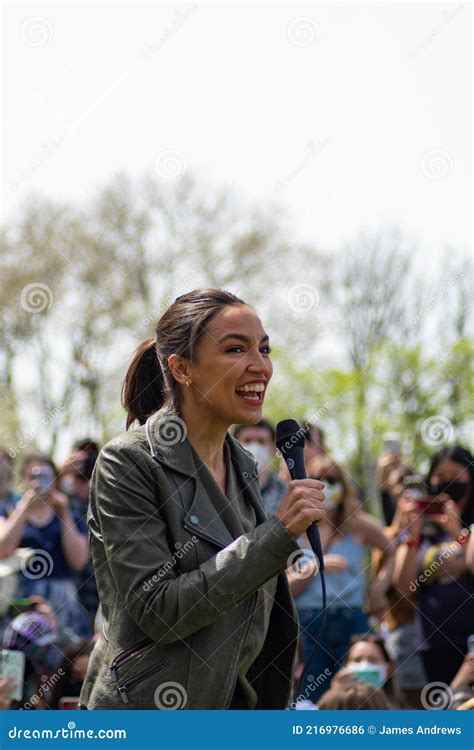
(241, 337)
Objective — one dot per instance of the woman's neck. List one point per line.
(207, 438)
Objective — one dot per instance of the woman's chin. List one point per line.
(249, 414)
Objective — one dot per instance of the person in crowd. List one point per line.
(355, 696)
(42, 520)
(470, 549)
(259, 439)
(346, 533)
(8, 496)
(391, 470)
(314, 445)
(73, 670)
(398, 626)
(462, 684)
(431, 567)
(368, 660)
(75, 476)
(35, 634)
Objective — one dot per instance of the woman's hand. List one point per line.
(465, 674)
(386, 465)
(408, 516)
(59, 502)
(75, 463)
(7, 686)
(335, 563)
(27, 500)
(302, 504)
(449, 520)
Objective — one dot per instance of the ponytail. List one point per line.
(142, 390)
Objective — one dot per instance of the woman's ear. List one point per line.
(180, 368)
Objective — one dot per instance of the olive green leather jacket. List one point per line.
(177, 592)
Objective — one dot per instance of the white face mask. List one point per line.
(67, 484)
(261, 453)
(332, 495)
(374, 674)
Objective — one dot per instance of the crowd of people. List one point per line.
(400, 591)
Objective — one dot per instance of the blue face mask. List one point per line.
(372, 674)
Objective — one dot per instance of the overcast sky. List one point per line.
(349, 115)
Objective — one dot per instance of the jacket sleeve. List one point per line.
(165, 605)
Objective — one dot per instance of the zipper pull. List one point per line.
(113, 674)
(123, 693)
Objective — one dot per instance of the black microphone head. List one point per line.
(289, 435)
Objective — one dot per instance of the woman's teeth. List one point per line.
(251, 392)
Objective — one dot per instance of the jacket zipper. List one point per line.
(203, 535)
(123, 689)
(127, 654)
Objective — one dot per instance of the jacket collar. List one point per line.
(166, 435)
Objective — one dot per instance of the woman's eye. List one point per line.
(265, 349)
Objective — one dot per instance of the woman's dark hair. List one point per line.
(358, 696)
(38, 458)
(149, 384)
(264, 424)
(462, 456)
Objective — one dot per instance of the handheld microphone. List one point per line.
(290, 443)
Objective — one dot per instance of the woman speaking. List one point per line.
(196, 607)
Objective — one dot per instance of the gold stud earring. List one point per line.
(187, 384)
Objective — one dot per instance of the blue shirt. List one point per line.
(345, 588)
(47, 538)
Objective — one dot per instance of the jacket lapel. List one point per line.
(166, 435)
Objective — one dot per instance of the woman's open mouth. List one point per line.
(252, 394)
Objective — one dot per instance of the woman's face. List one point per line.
(232, 355)
(365, 651)
(322, 468)
(454, 474)
(40, 476)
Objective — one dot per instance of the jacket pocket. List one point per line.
(134, 681)
(127, 655)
